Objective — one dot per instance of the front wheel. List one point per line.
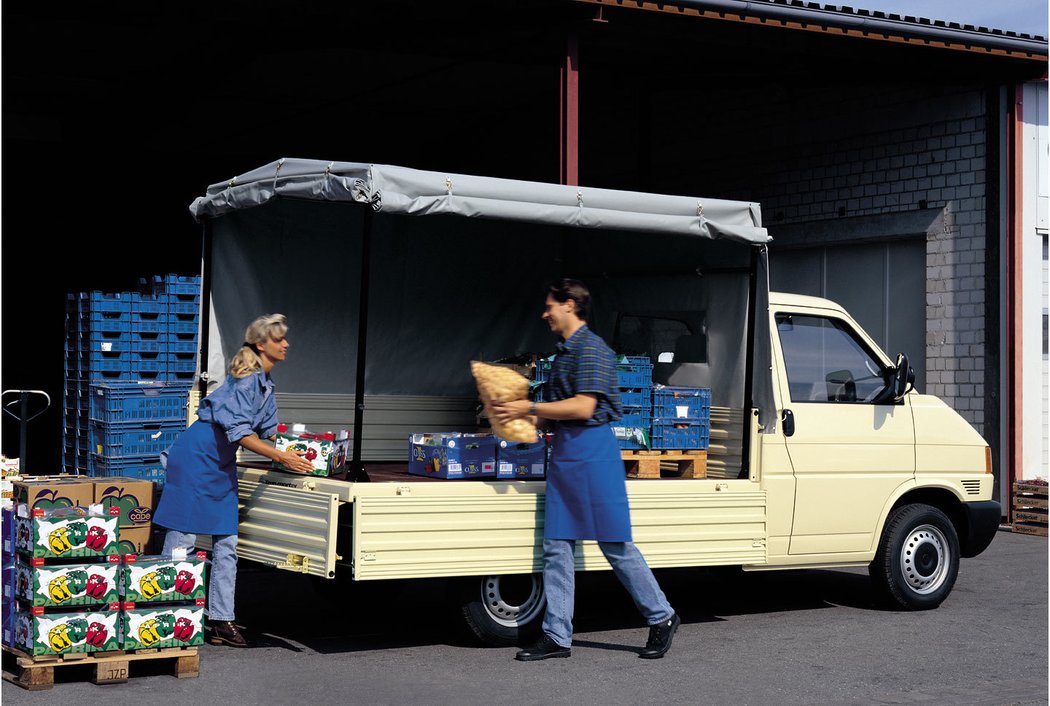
(917, 561)
(503, 610)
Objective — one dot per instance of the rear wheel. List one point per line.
(503, 610)
(917, 561)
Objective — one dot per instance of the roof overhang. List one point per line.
(852, 23)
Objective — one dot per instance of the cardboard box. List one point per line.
(132, 498)
(160, 578)
(328, 456)
(452, 455)
(162, 626)
(66, 585)
(136, 540)
(7, 534)
(65, 533)
(67, 633)
(10, 467)
(518, 461)
(47, 492)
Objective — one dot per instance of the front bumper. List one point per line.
(982, 522)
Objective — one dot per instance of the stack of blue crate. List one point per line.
(130, 365)
(635, 378)
(681, 417)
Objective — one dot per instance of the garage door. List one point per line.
(882, 285)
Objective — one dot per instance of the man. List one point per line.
(586, 491)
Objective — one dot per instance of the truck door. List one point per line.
(848, 454)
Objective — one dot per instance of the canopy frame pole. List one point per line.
(357, 468)
(205, 327)
(749, 364)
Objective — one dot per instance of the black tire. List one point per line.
(503, 610)
(917, 561)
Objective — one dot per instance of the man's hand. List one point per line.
(505, 412)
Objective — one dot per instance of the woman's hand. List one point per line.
(505, 412)
(293, 460)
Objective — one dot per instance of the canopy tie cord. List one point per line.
(277, 173)
(448, 186)
(699, 209)
(579, 198)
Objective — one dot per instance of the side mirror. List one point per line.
(903, 376)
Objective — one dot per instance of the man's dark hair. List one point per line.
(565, 289)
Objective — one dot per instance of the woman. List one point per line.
(200, 492)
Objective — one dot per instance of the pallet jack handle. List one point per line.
(23, 416)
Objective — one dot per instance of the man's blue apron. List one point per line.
(586, 486)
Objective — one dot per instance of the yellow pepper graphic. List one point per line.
(58, 589)
(58, 540)
(58, 638)
(148, 585)
(148, 632)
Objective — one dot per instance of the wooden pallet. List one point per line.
(1029, 509)
(38, 673)
(665, 464)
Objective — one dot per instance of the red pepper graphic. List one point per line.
(185, 582)
(183, 630)
(96, 586)
(97, 634)
(97, 538)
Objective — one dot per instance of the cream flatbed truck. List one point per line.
(822, 453)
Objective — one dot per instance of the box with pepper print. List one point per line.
(67, 585)
(158, 626)
(65, 533)
(152, 579)
(326, 452)
(67, 633)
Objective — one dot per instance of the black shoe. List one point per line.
(224, 632)
(660, 636)
(545, 648)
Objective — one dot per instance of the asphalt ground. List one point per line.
(789, 637)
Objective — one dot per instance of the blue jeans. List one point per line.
(222, 583)
(559, 583)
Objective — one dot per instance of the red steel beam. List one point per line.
(569, 109)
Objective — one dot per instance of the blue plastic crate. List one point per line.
(182, 327)
(631, 437)
(680, 433)
(636, 398)
(148, 468)
(133, 402)
(102, 302)
(682, 402)
(635, 417)
(543, 370)
(634, 372)
(133, 439)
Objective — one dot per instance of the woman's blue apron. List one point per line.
(586, 486)
(200, 489)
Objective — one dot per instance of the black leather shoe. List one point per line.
(545, 648)
(224, 632)
(660, 636)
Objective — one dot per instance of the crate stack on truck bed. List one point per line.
(130, 363)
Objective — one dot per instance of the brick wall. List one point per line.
(884, 152)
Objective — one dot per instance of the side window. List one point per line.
(665, 337)
(825, 362)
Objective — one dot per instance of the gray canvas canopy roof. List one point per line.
(416, 297)
(399, 190)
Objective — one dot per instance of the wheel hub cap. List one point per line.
(924, 559)
(513, 600)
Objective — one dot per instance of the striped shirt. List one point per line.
(586, 364)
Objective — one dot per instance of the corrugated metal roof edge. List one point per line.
(876, 21)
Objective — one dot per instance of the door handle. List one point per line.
(789, 422)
